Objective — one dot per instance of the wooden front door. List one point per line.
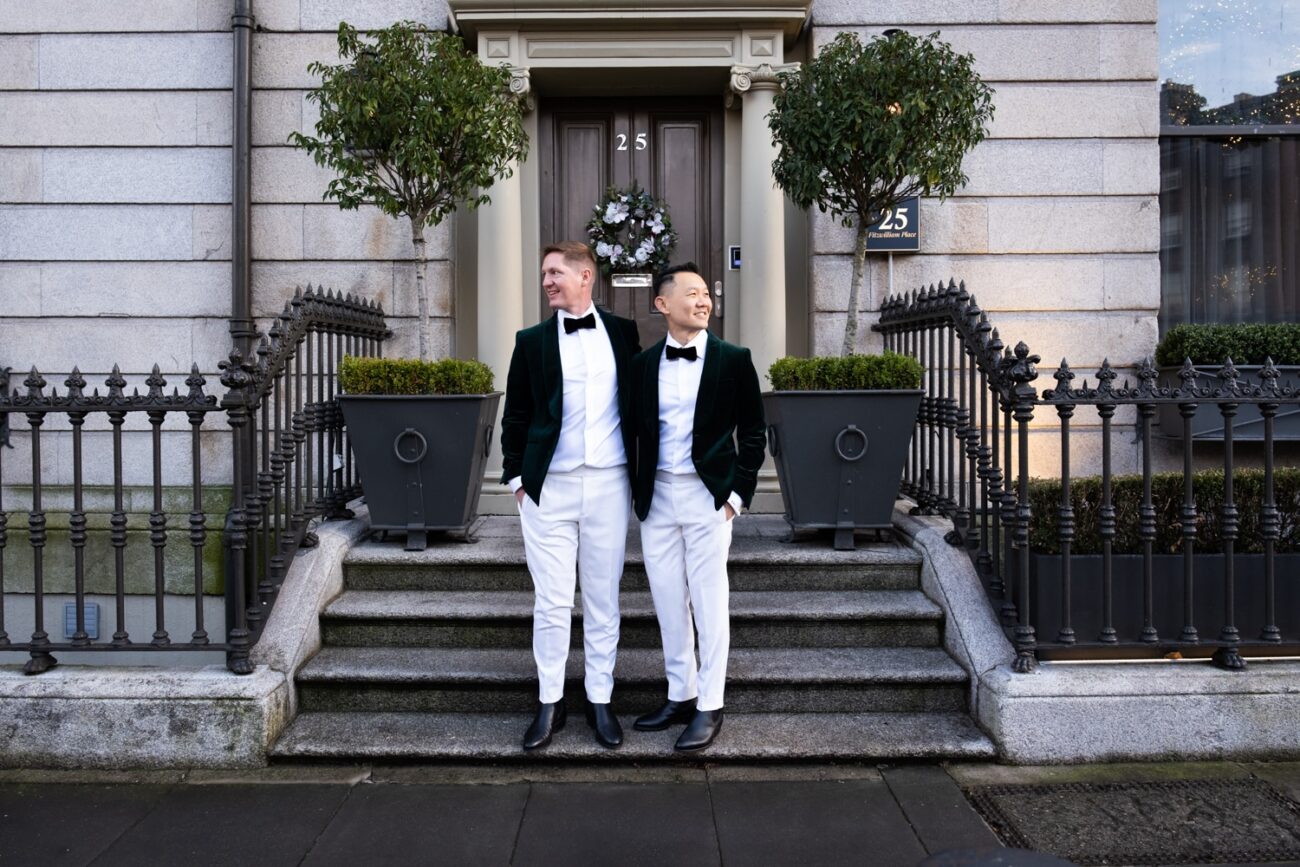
(672, 147)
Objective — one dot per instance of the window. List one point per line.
(1229, 161)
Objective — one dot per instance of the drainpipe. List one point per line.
(242, 327)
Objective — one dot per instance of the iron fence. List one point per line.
(970, 461)
(290, 464)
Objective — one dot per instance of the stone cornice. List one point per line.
(471, 16)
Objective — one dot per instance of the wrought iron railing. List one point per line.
(291, 463)
(970, 461)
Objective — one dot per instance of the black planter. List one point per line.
(420, 458)
(839, 456)
(1247, 424)
(1167, 583)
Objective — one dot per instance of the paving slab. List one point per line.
(937, 809)
(1284, 776)
(983, 774)
(413, 824)
(845, 822)
(620, 823)
(821, 772)
(508, 774)
(223, 825)
(1161, 822)
(69, 824)
(337, 775)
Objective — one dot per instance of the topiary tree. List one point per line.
(414, 124)
(862, 127)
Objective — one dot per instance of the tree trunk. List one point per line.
(421, 285)
(855, 289)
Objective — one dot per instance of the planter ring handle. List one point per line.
(772, 445)
(839, 443)
(487, 441)
(397, 446)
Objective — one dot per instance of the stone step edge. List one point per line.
(930, 666)
(880, 605)
(745, 737)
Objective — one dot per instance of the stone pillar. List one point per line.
(501, 278)
(762, 220)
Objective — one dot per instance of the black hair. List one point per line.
(666, 275)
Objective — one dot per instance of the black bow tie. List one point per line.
(687, 352)
(572, 324)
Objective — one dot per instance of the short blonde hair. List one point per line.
(574, 252)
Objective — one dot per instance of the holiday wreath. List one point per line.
(630, 231)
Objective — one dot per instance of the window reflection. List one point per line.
(1230, 62)
(1229, 161)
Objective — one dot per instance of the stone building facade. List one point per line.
(115, 174)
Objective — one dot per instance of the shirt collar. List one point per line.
(591, 308)
(699, 341)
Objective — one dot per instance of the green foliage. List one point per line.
(1243, 343)
(412, 123)
(860, 127)
(411, 376)
(847, 373)
(1167, 499)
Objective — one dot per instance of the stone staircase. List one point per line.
(835, 655)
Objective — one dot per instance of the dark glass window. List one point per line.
(1229, 161)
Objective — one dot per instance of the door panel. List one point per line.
(671, 147)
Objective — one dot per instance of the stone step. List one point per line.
(757, 562)
(745, 737)
(758, 680)
(503, 619)
(481, 577)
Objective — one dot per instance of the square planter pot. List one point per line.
(1247, 425)
(421, 458)
(839, 456)
(1167, 582)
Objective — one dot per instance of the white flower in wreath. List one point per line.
(603, 250)
(641, 256)
(615, 213)
(616, 251)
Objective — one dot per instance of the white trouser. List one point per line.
(580, 527)
(685, 542)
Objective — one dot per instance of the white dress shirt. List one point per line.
(679, 388)
(590, 433)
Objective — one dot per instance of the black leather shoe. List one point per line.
(702, 730)
(549, 720)
(672, 713)
(608, 732)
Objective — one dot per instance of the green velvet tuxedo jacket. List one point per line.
(729, 431)
(530, 424)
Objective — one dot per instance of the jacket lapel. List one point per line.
(708, 381)
(615, 340)
(552, 373)
(650, 388)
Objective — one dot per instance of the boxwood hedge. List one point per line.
(412, 376)
(852, 372)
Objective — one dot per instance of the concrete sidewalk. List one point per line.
(321, 815)
(732, 815)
